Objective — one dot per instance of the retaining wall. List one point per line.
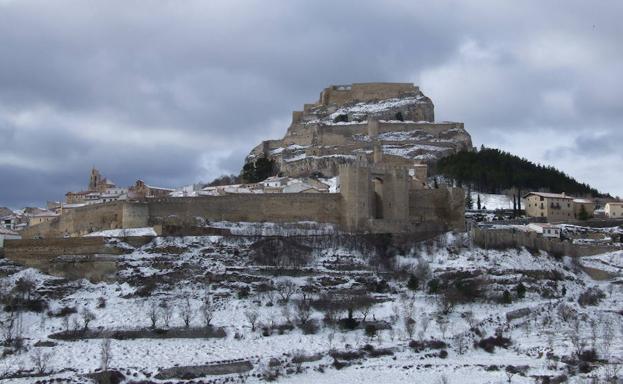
(514, 238)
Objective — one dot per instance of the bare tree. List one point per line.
(303, 311)
(40, 360)
(105, 354)
(87, 317)
(607, 336)
(25, 286)
(207, 311)
(186, 311)
(365, 307)
(461, 343)
(575, 336)
(285, 289)
(425, 321)
(442, 323)
(252, 316)
(409, 324)
(469, 319)
(167, 312)
(153, 311)
(287, 313)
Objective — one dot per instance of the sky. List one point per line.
(177, 92)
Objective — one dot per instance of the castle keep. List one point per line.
(348, 120)
(376, 137)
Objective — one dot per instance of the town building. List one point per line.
(547, 230)
(614, 210)
(557, 207)
(140, 191)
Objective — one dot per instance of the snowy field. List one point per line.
(548, 328)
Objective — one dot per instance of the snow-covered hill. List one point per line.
(409, 335)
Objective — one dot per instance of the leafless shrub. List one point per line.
(285, 289)
(303, 311)
(167, 312)
(40, 360)
(186, 311)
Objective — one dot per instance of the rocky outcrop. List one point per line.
(349, 121)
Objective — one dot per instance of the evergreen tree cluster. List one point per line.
(492, 171)
(258, 170)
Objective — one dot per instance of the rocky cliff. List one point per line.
(349, 121)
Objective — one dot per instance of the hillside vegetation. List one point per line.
(492, 170)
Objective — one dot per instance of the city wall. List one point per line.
(512, 238)
(279, 208)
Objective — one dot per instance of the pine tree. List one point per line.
(478, 204)
(469, 202)
(514, 205)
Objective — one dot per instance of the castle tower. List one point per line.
(95, 179)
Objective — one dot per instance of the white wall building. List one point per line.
(614, 210)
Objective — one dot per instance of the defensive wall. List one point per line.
(269, 207)
(498, 238)
(373, 199)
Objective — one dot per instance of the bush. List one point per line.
(244, 292)
(413, 283)
(433, 286)
(370, 330)
(521, 290)
(419, 346)
(309, 328)
(341, 119)
(490, 343)
(591, 296)
(588, 355)
(443, 354)
(507, 298)
(63, 311)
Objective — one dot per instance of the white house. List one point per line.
(614, 210)
(547, 230)
(6, 234)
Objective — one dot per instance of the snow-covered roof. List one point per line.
(582, 201)
(297, 188)
(549, 195)
(8, 232)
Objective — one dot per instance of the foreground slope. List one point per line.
(279, 310)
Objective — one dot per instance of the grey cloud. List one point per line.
(175, 92)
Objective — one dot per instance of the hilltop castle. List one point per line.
(378, 190)
(347, 122)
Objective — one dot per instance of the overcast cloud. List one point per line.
(176, 92)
